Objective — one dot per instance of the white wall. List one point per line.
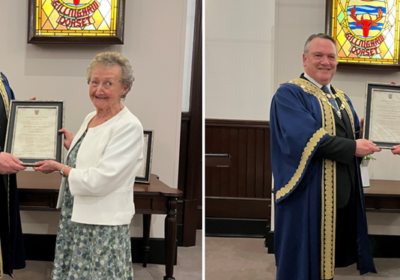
(238, 58)
(295, 21)
(187, 73)
(154, 43)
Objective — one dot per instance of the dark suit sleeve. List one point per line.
(337, 149)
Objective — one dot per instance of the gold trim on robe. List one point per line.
(4, 95)
(304, 158)
(328, 184)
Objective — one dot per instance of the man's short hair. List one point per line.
(319, 35)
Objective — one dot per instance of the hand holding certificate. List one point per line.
(382, 114)
(32, 132)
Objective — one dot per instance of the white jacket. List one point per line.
(106, 165)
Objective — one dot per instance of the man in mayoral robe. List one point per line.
(320, 220)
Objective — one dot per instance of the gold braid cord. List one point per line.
(328, 184)
(4, 96)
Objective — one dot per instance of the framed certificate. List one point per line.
(382, 115)
(32, 131)
(143, 174)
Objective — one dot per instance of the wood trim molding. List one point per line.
(247, 228)
(185, 116)
(238, 207)
(190, 161)
(237, 123)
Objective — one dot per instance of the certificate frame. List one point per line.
(393, 93)
(144, 173)
(35, 105)
(62, 22)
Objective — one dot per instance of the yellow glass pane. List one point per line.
(98, 19)
(388, 56)
(341, 38)
(383, 48)
(47, 7)
(104, 26)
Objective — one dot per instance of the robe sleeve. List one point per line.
(296, 133)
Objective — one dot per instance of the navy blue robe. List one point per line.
(11, 237)
(305, 187)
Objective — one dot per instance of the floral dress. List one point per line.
(90, 252)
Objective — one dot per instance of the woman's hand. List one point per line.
(68, 137)
(47, 166)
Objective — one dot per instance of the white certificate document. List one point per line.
(35, 132)
(385, 116)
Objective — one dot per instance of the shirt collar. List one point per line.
(315, 83)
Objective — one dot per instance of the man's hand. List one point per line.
(365, 147)
(9, 164)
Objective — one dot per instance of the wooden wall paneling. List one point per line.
(250, 162)
(224, 148)
(234, 167)
(216, 172)
(242, 171)
(260, 164)
(237, 207)
(240, 193)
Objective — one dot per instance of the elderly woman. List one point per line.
(96, 193)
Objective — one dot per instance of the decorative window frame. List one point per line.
(362, 63)
(35, 37)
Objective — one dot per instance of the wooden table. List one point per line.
(39, 192)
(383, 196)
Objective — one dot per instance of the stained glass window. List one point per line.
(366, 31)
(76, 17)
